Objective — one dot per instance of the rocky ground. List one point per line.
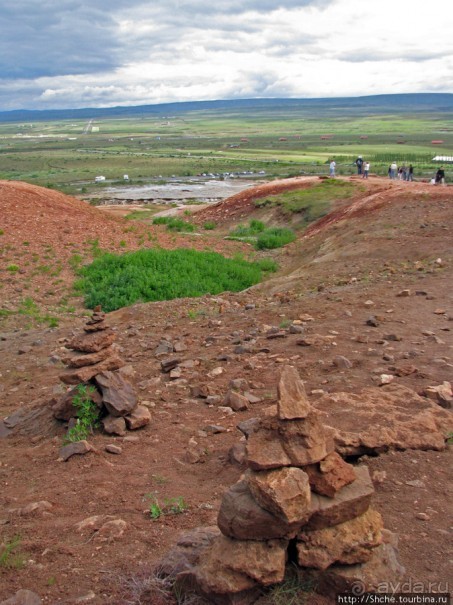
(362, 307)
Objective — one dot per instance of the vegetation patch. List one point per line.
(313, 202)
(87, 414)
(174, 224)
(262, 237)
(116, 281)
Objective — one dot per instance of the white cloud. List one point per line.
(66, 53)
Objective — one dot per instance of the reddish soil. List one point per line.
(392, 237)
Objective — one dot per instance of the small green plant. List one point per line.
(450, 438)
(122, 243)
(9, 557)
(2, 232)
(12, 268)
(209, 225)
(87, 414)
(170, 506)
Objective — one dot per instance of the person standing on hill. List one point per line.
(332, 168)
(393, 170)
(359, 164)
(366, 170)
(410, 173)
(440, 176)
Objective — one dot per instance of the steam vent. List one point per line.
(298, 503)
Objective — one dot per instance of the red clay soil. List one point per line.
(397, 237)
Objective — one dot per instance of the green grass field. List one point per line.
(67, 155)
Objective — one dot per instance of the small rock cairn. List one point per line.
(95, 361)
(298, 502)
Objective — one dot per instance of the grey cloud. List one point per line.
(364, 55)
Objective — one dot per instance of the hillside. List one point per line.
(362, 306)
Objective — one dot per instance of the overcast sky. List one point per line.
(89, 53)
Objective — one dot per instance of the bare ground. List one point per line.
(394, 236)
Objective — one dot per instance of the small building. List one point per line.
(437, 142)
(282, 139)
(99, 179)
(126, 177)
(244, 140)
(326, 137)
(364, 136)
(445, 159)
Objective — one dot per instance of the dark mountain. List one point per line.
(400, 103)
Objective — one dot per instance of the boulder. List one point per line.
(117, 393)
(92, 342)
(379, 573)
(188, 550)
(241, 517)
(351, 501)
(23, 597)
(441, 394)
(292, 398)
(330, 475)
(347, 543)
(285, 492)
(380, 419)
(232, 566)
(288, 443)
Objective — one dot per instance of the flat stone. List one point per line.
(441, 394)
(350, 502)
(139, 418)
(89, 359)
(285, 492)
(330, 475)
(111, 531)
(78, 375)
(376, 420)
(117, 393)
(292, 398)
(347, 543)
(113, 449)
(78, 447)
(241, 517)
(92, 342)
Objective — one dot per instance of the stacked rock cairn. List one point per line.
(298, 502)
(95, 362)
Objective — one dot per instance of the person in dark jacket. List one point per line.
(440, 176)
(359, 164)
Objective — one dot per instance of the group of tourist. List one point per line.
(401, 173)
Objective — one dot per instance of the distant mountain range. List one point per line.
(400, 103)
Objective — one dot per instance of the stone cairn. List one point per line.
(298, 502)
(95, 361)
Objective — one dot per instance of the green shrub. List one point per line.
(116, 281)
(275, 237)
(87, 414)
(174, 224)
(209, 225)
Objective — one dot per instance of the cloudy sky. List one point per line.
(88, 53)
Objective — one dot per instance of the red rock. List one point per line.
(118, 394)
(78, 447)
(23, 597)
(86, 374)
(292, 398)
(285, 492)
(351, 501)
(89, 359)
(241, 517)
(139, 418)
(114, 425)
(92, 342)
(347, 543)
(330, 475)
